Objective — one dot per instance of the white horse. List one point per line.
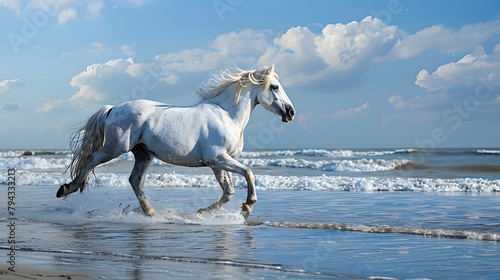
(209, 133)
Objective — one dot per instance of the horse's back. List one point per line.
(127, 121)
(137, 108)
(140, 106)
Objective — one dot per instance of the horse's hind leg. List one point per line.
(94, 159)
(143, 159)
(226, 183)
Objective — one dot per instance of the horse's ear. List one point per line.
(271, 69)
(263, 71)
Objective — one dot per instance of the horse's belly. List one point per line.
(176, 149)
(181, 160)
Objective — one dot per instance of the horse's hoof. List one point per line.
(150, 213)
(245, 211)
(202, 212)
(60, 192)
(146, 208)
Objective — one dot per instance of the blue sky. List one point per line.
(417, 74)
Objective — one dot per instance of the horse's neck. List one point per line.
(240, 113)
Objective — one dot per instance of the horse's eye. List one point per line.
(274, 87)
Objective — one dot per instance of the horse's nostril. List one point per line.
(291, 112)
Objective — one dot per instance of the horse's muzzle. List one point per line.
(289, 114)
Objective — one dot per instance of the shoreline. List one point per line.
(43, 265)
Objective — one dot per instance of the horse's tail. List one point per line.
(86, 140)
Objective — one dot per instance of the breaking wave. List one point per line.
(325, 153)
(361, 165)
(34, 162)
(488, 152)
(358, 165)
(267, 182)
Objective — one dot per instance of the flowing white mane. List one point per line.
(219, 84)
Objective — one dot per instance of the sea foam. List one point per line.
(488, 152)
(323, 153)
(361, 165)
(267, 182)
(33, 162)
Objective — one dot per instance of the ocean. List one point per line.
(321, 214)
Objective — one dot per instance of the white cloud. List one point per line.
(397, 101)
(100, 80)
(349, 113)
(245, 42)
(127, 50)
(100, 83)
(66, 10)
(11, 106)
(465, 72)
(99, 48)
(11, 4)
(137, 70)
(66, 15)
(62, 10)
(394, 99)
(447, 40)
(345, 45)
(49, 105)
(114, 82)
(94, 8)
(303, 56)
(227, 50)
(456, 91)
(340, 52)
(94, 48)
(11, 84)
(296, 56)
(171, 79)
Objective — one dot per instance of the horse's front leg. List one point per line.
(226, 183)
(226, 162)
(143, 160)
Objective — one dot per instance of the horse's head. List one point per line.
(273, 96)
